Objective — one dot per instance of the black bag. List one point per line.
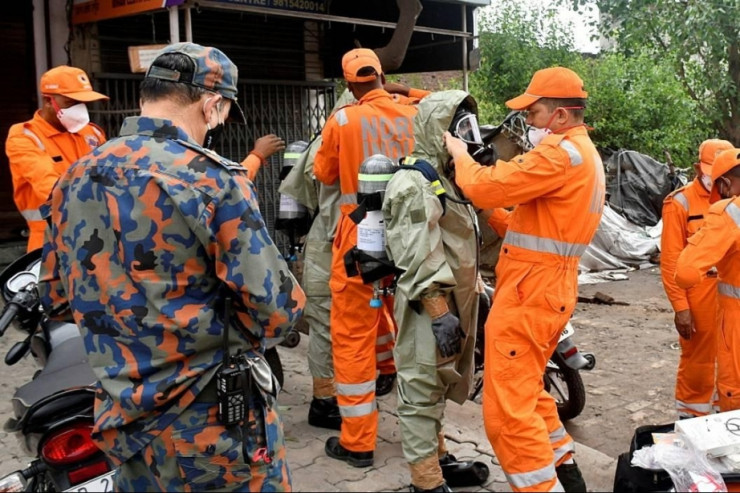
(635, 479)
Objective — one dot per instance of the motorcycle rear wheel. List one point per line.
(566, 386)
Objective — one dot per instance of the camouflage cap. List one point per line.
(212, 70)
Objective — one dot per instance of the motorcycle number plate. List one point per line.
(102, 483)
(567, 331)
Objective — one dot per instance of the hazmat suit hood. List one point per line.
(435, 114)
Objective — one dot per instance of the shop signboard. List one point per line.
(98, 10)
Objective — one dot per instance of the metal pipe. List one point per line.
(465, 48)
(174, 25)
(188, 25)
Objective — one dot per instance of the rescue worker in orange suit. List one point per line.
(264, 147)
(558, 189)
(717, 244)
(301, 185)
(375, 124)
(42, 148)
(696, 308)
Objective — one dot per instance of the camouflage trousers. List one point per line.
(197, 453)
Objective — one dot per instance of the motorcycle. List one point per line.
(562, 378)
(52, 413)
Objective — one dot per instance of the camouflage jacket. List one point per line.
(148, 233)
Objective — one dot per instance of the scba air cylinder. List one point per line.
(290, 210)
(375, 172)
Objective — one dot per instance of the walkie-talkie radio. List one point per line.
(232, 381)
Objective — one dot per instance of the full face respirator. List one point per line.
(465, 127)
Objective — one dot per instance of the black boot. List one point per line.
(465, 473)
(384, 384)
(357, 459)
(442, 488)
(324, 413)
(571, 478)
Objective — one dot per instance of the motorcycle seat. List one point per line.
(65, 384)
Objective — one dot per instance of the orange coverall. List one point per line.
(375, 124)
(558, 189)
(717, 243)
(683, 213)
(38, 154)
(253, 165)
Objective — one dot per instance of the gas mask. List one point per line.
(465, 127)
(213, 135)
(74, 118)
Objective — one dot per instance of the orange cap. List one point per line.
(555, 82)
(723, 162)
(71, 82)
(355, 60)
(708, 150)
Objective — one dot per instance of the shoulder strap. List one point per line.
(225, 163)
(428, 172)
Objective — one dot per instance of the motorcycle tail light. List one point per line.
(13, 482)
(88, 472)
(70, 445)
(570, 352)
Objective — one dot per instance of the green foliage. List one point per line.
(700, 39)
(635, 100)
(637, 103)
(514, 44)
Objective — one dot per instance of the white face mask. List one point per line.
(535, 135)
(707, 182)
(74, 118)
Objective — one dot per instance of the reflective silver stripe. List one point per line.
(32, 215)
(597, 195)
(384, 339)
(734, 212)
(384, 356)
(356, 388)
(35, 138)
(728, 290)
(341, 117)
(348, 198)
(560, 452)
(544, 245)
(680, 197)
(357, 411)
(698, 408)
(558, 488)
(533, 478)
(557, 435)
(573, 154)
(366, 177)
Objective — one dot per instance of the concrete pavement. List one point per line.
(466, 439)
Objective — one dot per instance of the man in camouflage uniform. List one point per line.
(149, 234)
